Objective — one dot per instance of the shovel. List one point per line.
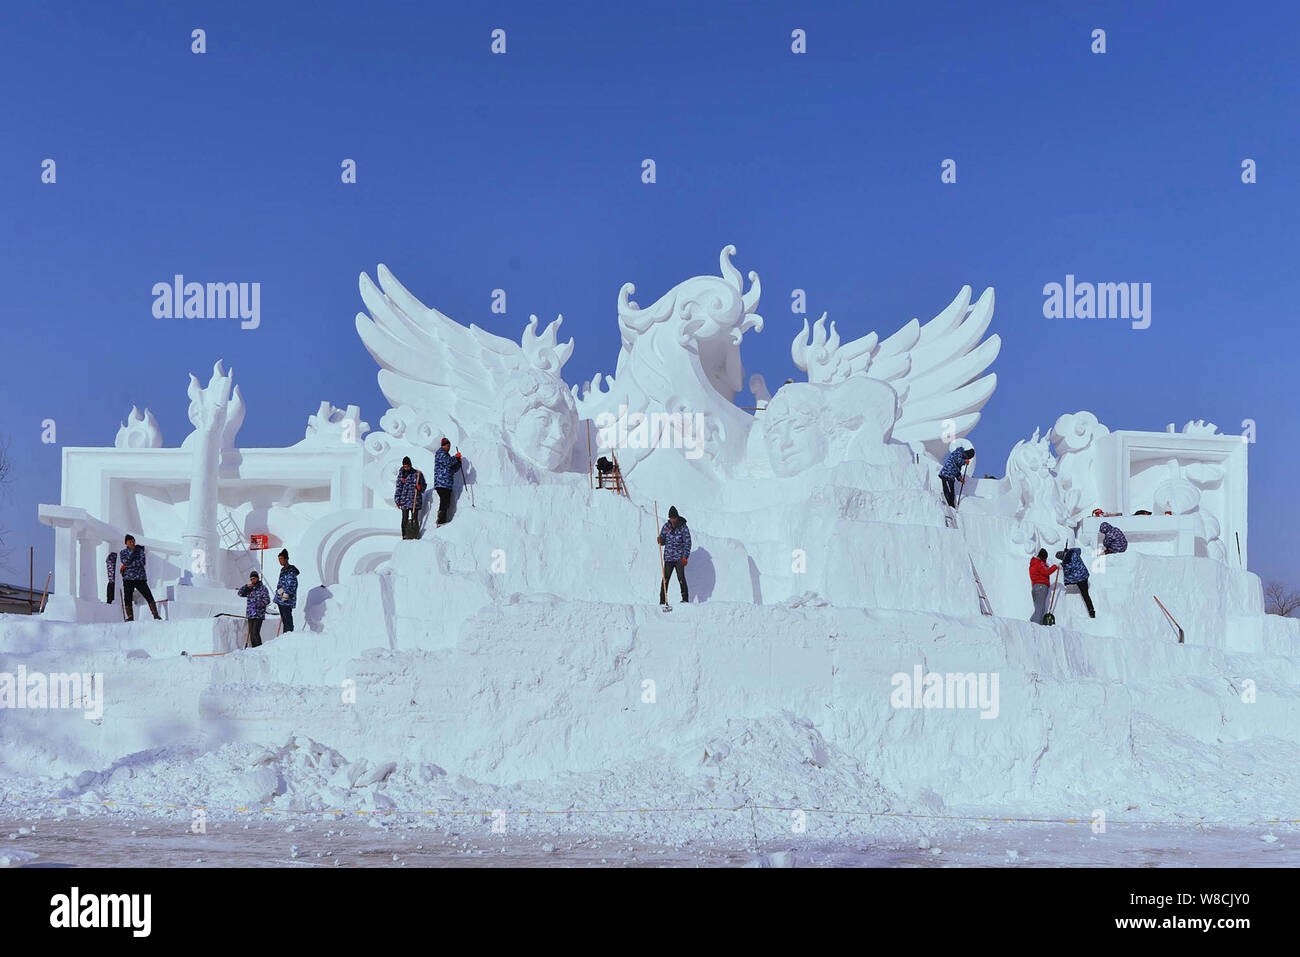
(1049, 618)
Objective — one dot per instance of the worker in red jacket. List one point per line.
(1040, 578)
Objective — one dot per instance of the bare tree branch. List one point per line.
(1280, 599)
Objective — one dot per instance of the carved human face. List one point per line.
(540, 421)
(545, 436)
(793, 432)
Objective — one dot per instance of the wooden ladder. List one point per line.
(616, 476)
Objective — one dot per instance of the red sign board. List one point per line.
(257, 542)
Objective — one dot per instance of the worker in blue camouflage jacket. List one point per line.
(409, 496)
(951, 472)
(675, 537)
(286, 590)
(445, 465)
(255, 608)
(1113, 541)
(131, 563)
(1075, 572)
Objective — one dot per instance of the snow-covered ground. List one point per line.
(126, 839)
(722, 733)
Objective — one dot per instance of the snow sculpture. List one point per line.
(936, 369)
(681, 357)
(139, 432)
(1197, 476)
(816, 492)
(671, 399)
(455, 381)
(1041, 506)
(331, 425)
(807, 424)
(1197, 427)
(216, 415)
(1077, 438)
(1180, 494)
(541, 416)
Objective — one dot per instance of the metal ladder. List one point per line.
(986, 608)
(950, 520)
(234, 541)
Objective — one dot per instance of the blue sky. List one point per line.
(522, 172)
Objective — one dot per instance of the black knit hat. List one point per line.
(284, 553)
(672, 511)
(406, 460)
(1042, 554)
(255, 575)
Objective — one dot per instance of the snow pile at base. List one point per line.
(517, 660)
(607, 711)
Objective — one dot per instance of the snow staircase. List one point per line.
(234, 542)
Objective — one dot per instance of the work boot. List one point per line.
(154, 609)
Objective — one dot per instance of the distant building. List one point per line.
(16, 600)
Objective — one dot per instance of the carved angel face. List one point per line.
(807, 424)
(540, 419)
(792, 430)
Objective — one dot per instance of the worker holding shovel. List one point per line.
(1040, 579)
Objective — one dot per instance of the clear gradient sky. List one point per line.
(523, 171)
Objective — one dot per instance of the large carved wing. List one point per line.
(937, 368)
(434, 364)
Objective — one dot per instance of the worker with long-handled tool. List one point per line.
(675, 538)
(464, 480)
(1050, 617)
(445, 465)
(953, 471)
(408, 495)
(1040, 579)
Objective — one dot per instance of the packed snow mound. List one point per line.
(717, 705)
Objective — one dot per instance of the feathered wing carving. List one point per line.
(937, 368)
(434, 364)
